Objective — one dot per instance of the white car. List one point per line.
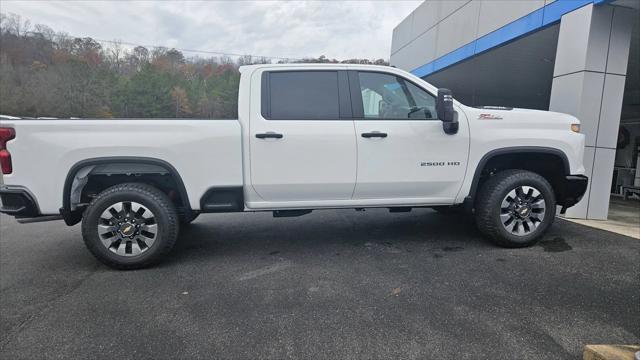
(308, 136)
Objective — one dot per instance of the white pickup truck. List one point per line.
(307, 137)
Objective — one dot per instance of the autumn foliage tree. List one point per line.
(181, 101)
(44, 73)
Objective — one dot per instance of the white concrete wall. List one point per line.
(436, 27)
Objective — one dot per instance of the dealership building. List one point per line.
(579, 57)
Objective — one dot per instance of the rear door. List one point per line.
(403, 152)
(302, 138)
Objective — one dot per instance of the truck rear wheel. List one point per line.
(515, 208)
(130, 226)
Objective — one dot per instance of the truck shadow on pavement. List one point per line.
(328, 231)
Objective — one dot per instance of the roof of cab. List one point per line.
(315, 65)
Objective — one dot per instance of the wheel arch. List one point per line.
(530, 152)
(73, 216)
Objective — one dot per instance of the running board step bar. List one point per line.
(39, 219)
(290, 213)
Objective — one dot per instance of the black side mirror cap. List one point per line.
(450, 128)
(446, 114)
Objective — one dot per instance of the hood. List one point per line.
(497, 113)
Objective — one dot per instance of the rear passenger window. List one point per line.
(300, 95)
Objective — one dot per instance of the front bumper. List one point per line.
(574, 188)
(18, 202)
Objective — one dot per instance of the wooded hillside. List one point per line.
(44, 73)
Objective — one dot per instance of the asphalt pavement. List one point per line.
(331, 284)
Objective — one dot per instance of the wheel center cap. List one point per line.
(127, 229)
(523, 211)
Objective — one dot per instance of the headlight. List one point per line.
(575, 128)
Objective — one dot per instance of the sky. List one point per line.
(295, 29)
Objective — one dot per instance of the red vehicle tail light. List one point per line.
(6, 134)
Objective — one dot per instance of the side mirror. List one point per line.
(446, 114)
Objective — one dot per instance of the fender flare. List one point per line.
(72, 217)
(513, 150)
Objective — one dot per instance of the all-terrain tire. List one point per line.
(156, 203)
(488, 207)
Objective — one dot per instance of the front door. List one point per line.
(302, 138)
(403, 152)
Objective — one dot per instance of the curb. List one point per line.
(611, 352)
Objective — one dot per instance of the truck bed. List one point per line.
(204, 152)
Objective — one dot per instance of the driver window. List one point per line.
(388, 97)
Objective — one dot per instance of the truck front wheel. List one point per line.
(514, 208)
(130, 226)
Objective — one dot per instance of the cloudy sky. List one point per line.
(337, 29)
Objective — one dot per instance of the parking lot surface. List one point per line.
(332, 284)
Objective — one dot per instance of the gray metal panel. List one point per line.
(574, 39)
(402, 34)
(424, 48)
(579, 95)
(497, 13)
(620, 40)
(425, 17)
(401, 59)
(610, 111)
(584, 38)
(448, 7)
(599, 34)
(593, 39)
(458, 29)
(601, 183)
(416, 53)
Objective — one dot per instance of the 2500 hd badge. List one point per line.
(440, 163)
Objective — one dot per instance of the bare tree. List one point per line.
(115, 54)
(13, 24)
